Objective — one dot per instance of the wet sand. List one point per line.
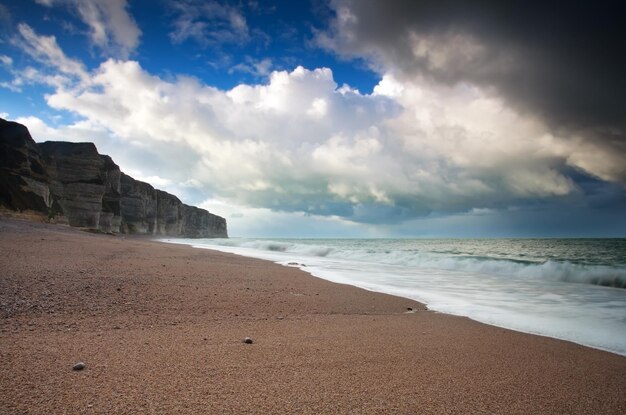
(160, 329)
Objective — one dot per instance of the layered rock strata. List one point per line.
(138, 206)
(72, 183)
(24, 182)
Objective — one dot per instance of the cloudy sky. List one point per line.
(340, 118)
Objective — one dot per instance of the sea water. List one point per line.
(571, 289)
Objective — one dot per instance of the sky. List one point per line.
(340, 118)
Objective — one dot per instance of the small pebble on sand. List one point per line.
(78, 366)
(247, 340)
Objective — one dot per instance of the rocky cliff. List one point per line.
(75, 172)
(138, 206)
(72, 183)
(24, 183)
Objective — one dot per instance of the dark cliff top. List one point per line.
(14, 134)
(69, 148)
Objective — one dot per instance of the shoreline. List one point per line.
(160, 329)
(317, 273)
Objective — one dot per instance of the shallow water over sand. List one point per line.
(572, 289)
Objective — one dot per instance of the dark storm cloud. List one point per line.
(562, 61)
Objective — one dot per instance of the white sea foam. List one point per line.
(550, 270)
(555, 298)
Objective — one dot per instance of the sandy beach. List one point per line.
(160, 329)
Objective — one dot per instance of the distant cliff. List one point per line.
(72, 183)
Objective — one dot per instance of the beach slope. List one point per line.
(160, 329)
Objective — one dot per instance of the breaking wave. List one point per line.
(552, 270)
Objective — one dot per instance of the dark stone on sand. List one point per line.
(247, 340)
(409, 308)
(78, 366)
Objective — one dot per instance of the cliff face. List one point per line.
(24, 183)
(76, 181)
(138, 206)
(111, 214)
(72, 183)
(197, 224)
(152, 211)
(169, 214)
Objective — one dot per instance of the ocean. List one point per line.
(570, 289)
